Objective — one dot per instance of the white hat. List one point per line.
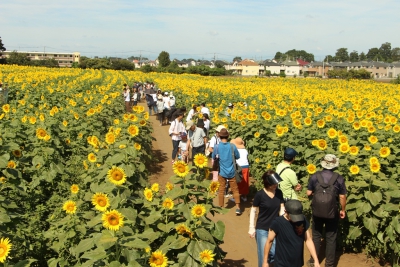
(166, 93)
(219, 128)
(189, 124)
(330, 161)
(230, 105)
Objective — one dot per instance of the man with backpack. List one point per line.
(327, 188)
(290, 183)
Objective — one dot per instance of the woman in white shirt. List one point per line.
(206, 121)
(127, 98)
(192, 113)
(244, 163)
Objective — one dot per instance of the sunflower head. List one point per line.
(182, 229)
(92, 157)
(148, 194)
(100, 201)
(180, 168)
(311, 168)
(168, 204)
(69, 207)
(354, 169)
(168, 186)
(332, 133)
(200, 160)
(344, 148)
(158, 259)
(113, 220)
(11, 164)
(133, 130)
(213, 188)
(206, 256)
(116, 175)
(322, 145)
(110, 138)
(384, 152)
(198, 210)
(17, 153)
(137, 146)
(155, 187)
(5, 247)
(74, 189)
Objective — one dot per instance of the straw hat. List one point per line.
(238, 142)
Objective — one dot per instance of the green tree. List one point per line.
(395, 54)
(329, 58)
(279, 56)
(50, 63)
(385, 51)
(342, 55)
(362, 56)
(2, 48)
(147, 68)
(354, 56)
(373, 54)
(122, 64)
(237, 58)
(163, 59)
(18, 59)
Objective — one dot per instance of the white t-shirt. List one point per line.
(190, 115)
(154, 97)
(214, 140)
(172, 101)
(205, 110)
(127, 96)
(166, 102)
(243, 160)
(183, 146)
(207, 125)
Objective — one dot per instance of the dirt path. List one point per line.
(241, 250)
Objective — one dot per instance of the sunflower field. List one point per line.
(74, 179)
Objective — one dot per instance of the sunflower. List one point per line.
(206, 256)
(110, 138)
(321, 123)
(158, 259)
(213, 188)
(3, 179)
(168, 204)
(375, 167)
(85, 165)
(69, 207)
(100, 201)
(296, 123)
(155, 187)
(314, 142)
(200, 160)
(148, 194)
(74, 189)
(11, 164)
(384, 152)
(307, 121)
(332, 133)
(168, 186)
(142, 122)
(343, 139)
(373, 139)
(356, 125)
(322, 145)
(367, 147)
(17, 153)
(6, 108)
(133, 130)
(373, 160)
(47, 137)
(5, 247)
(32, 120)
(354, 169)
(279, 131)
(275, 153)
(354, 150)
(198, 210)
(344, 148)
(396, 128)
(183, 229)
(65, 123)
(207, 173)
(137, 146)
(243, 123)
(311, 168)
(41, 133)
(92, 157)
(116, 175)
(180, 168)
(112, 220)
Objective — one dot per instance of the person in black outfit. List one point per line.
(290, 231)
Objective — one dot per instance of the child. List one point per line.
(160, 109)
(183, 153)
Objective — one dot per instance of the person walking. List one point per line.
(210, 147)
(243, 162)
(326, 188)
(290, 183)
(127, 99)
(269, 202)
(197, 138)
(206, 120)
(204, 109)
(223, 152)
(160, 110)
(290, 232)
(175, 130)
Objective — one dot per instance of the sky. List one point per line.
(204, 29)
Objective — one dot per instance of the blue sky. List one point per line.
(198, 29)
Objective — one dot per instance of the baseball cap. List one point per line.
(295, 210)
(219, 128)
(290, 152)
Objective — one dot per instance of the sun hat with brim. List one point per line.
(230, 105)
(159, 97)
(295, 210)
(219, 128)
(238, 142)
(273, 179)
(189, 124)
(330, 161)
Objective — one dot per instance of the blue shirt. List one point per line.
(226, 168)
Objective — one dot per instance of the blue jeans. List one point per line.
(261, 238)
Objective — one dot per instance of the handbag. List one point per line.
(238, 169)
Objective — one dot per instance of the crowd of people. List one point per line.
(276, 217)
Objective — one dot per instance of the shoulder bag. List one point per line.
(238, 169)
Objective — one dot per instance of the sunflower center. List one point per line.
(101, 202)
(113, 220)
(117, 176)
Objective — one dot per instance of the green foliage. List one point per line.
(351, 74)
(163, 59)
(237, 59)
(16, 58)
(122, 64)
(2, 48)
(147, 68)
(294, 54)
(341, 55)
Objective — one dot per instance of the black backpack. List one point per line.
(324, 202)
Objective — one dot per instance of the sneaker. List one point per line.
(238, 212)
(232, 199)
(228, 195)
(244, 199)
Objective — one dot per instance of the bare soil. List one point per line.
(241, 249)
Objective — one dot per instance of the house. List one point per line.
(273, 67)
(246, 67)
(292, 67)
(63, 59)
(393, 69)
(316, 68)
